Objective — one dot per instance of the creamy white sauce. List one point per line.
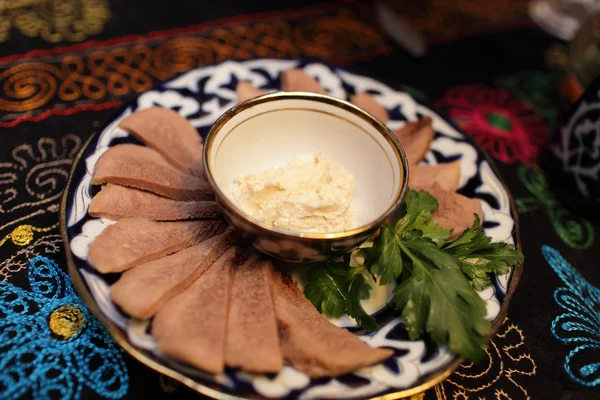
(310, 194)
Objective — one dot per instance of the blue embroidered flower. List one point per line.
(580, 324)
(50, 344)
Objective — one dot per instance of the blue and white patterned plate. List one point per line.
(201, 96)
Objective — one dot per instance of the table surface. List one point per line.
(65, 68)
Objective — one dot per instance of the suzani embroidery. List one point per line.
(577, 232)
(50, 344)
(22, 235)
(537, 89)
(502, 124)
(580, 323)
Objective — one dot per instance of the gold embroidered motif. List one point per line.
(327, 37)
(506, 363)
(26, 217)
(46, 245)
(126, 70)
(37, 173)
(55, 20)
(66, 321)
(12, 4)
(31, 182)
(22, 235)
(35, 82)
(6, 11)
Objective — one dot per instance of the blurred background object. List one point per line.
(399, 30)
(573, 160)
(583, 61)
(416, 24)
(562, 18)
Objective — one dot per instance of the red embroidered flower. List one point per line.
(503, 125)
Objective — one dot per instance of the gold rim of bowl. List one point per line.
(379, 126)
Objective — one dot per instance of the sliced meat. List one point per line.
(446, 175)
(368, 103)
(455, 211)
(170, 134)
(143, 168)
(133, 241)
(246, 90)
(117, 202)
(296, 80)
(142, 290)
(416, 137)
(252, 343)
(310, 342)
(191, 327)
(410, 128)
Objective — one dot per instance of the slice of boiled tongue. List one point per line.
(310, 342)
(143, 168)
(117, 202)
(416, 137)
(142, 290)
(447, 175)
(296, 80)
(192, 326)
(252, 343)
(368, 103)
(455, 211)
(133, 241)
(246, 90)
(170, 134)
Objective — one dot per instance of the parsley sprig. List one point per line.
(437, 278)
(337, 289)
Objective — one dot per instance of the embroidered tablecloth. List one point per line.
(65, 66)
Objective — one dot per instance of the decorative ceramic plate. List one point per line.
(201, 96)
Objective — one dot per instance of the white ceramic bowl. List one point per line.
(270, 130)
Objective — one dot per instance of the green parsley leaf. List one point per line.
(431, 230)
(327, 289)
(477, 274)
(479, 256)
(419, 209)
(412, 298)
(429, 250)
(336, 289)
(468, 240)
(441, 302)
(360, 290)
(415, 203)
(384, 257)
(418, 201)
(459, 314)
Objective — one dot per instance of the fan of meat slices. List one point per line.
(215, 304)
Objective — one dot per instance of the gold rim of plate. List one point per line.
(214, 392)
(365, 116)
